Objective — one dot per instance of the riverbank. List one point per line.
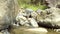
(22, 29)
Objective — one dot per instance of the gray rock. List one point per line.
(53, 3)
(34, 15)
(27, 21)
(22, 20)
(39, 11)
(5, 31)
(33, 22)
(8, 12)
(52, 16)
(28, 11)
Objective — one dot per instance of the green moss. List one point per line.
(31, 6)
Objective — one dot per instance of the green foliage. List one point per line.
(24, 4)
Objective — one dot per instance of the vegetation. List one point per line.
(30, 4)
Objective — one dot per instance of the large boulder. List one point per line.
(8, 12)
(27, 18)
(49, 18)
(54, 16)
(53, 3)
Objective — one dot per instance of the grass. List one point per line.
(31, 6)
